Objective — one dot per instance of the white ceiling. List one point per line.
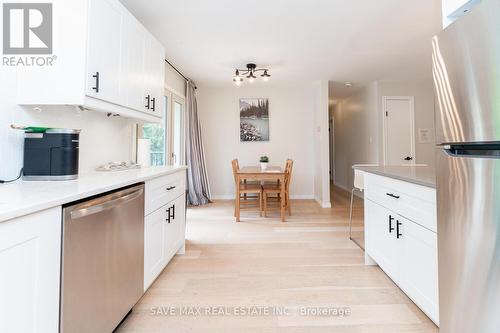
(339, 40)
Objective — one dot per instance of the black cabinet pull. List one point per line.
(393, 195)
(391, 228)
(408, 158)
(96, 76)
(398, 224)
(170, 188)
(154, 104)
(172, 213)
(148, 101)
(168, 215)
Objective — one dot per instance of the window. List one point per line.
(178, 131)
(157, 134)
(167, 137)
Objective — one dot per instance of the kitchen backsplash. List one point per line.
(103, 138)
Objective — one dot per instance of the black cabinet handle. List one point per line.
(391, 228)
(172, 213)
(170, 188)
(408, 158)
(393, 195)
(148, 101)
(168, 215)
(96, 77)
(398, 224)
(154, 104)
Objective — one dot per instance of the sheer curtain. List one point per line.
(197, 176)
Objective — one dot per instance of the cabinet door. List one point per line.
(30, 261)
(104, 50)
(419, 266)
(176, 228)
(154, 75)
(155, 253)
(134, 43)
(180, 221)
(380, 238)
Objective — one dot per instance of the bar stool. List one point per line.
(359, 185)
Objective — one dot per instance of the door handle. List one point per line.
(398, 224)
(101, 204)
(391, 228)
(170, 188)
(392, 195)
(148, 101)
(408, 158)
(96, 77)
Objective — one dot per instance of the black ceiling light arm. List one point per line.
(251, 68)
(249, 73)
(178, 72)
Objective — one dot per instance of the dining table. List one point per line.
(256, 173)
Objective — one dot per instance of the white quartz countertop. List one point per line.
(26, 197)
(420, 175)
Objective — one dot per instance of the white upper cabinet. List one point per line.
(155, 72)
(104, 51)
(105, 60)
(134, 78)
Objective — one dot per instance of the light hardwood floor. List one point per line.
(303, 263)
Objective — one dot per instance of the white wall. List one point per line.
(174, 82)
(321, 144)
(356, 133)
(358, 126)
(291, 124)
(103, 139)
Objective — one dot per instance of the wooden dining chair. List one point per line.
(274, 190)
(244, 190)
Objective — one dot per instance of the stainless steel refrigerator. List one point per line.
(466, 69)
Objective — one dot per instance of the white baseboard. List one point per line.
(323, 204)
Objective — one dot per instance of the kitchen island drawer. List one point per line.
(415, 202)
(162, 190)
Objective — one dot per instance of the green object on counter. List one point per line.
(32, 129)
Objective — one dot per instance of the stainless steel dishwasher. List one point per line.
(102, 260)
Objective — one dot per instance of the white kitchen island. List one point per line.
(401, 230)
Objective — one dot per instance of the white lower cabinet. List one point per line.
(419, 267)
(404, 249)
(155, 252)
(30, 266)
(380, 238)
(164, 230)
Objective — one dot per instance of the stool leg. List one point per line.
(260, 203)
(265, 203)
(350, 213)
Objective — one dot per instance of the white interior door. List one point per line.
(399, 137)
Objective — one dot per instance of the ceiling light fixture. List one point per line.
(249, 72)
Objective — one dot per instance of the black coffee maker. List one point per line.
(51, 154)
